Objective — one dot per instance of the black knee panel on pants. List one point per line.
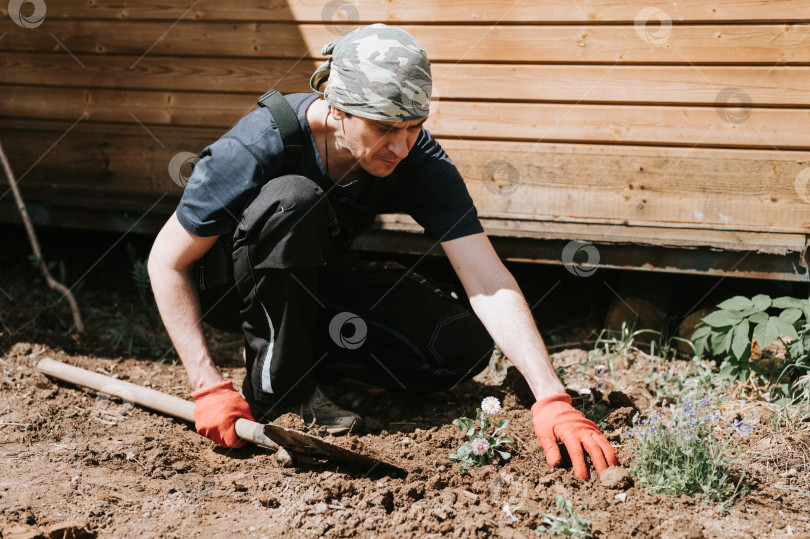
(287, 225)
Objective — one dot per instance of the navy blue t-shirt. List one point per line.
(231, 171)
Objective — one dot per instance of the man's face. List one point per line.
(379, 146)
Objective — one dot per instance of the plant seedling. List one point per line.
(481, 448)
(567, 521)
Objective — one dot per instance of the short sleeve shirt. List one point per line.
(232, 170)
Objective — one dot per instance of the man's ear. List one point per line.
(336, 114)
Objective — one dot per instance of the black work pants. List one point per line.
(309, 313)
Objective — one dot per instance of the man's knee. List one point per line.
(288, 225)
(282, 197)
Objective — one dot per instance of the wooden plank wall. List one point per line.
(666, 123)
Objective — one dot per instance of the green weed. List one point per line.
(695, 382)
(136, 330)
(567, 521)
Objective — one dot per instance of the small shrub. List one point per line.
(481, 448)
(727, 333)
(682, 456)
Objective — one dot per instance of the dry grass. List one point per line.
(780, 444)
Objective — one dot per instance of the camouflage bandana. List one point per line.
(377, 72)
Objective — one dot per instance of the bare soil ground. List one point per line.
(76, 464)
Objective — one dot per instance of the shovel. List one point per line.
(269, 436)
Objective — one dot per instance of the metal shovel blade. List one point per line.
(307, 444)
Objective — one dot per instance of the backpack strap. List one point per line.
(291, 133)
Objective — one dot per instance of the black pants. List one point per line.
(310, 313)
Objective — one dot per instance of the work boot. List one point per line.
(319, 410)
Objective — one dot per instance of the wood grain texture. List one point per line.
(343, 15)
(729, 44)
(772, 86)
(637, 186)
(730, 126)
(731, 190)
(566, 119)
(733, 240)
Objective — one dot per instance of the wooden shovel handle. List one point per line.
(148, 398)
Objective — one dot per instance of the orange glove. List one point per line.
(555, 419)
(216, 410)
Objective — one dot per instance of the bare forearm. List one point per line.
(508, 319)
(179, 308)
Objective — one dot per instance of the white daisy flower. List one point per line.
(490, 406)
(480, 446)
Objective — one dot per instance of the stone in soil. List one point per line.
(616, 477)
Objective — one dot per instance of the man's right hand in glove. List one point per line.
(555, 419)
(216, 410)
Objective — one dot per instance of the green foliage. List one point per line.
(617, 344)
(140, 276)
(58, 270)
(726, 334)
(613, 343)
(695, 381)
(43, 309)
(680, 455)
(567, 521)
(468, 454)
(598, 413)
(128, 334)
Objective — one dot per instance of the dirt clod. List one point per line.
(268, 500)
(616, 477)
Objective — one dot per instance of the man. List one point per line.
(309, 310)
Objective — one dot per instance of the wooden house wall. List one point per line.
(664, 123)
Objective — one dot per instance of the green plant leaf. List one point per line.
(700, 345)
(729, 370)
(500, 426)
(719, 319)
(786, 301)
(727, 342)
(758, 318)
(749, 312)
(717, 339)
(766, 332)
(784, 327)
(761, 301)
(701, 332)
(790, 315)
(737, 303)
(741, 340)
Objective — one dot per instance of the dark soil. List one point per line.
(77, 464)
